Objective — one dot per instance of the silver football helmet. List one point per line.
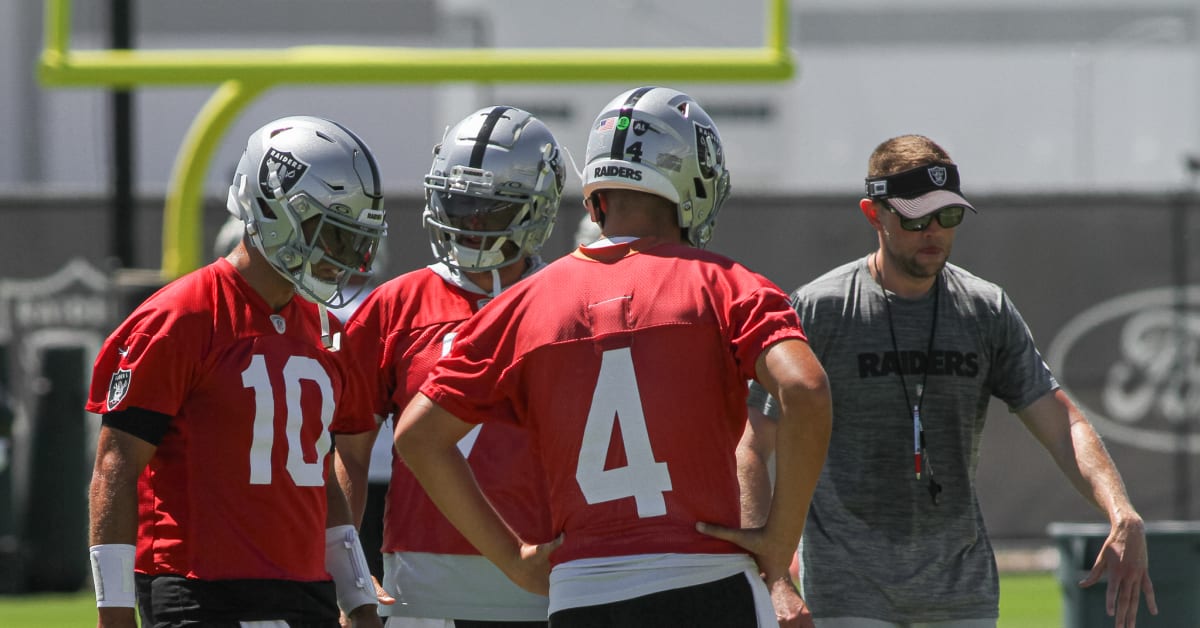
(493, 190)
(308, 192)
(659, 140)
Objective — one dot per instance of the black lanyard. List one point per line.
(920, 452)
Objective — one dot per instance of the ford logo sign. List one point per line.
(1131, 364)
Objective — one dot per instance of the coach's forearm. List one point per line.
(1080, 454)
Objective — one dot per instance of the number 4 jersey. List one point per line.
(629, 364)
(236, 488)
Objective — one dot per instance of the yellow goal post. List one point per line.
(241, 75)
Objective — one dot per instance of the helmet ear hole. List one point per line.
(266, 210)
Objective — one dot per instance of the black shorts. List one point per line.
(170, 601)
(725, 603)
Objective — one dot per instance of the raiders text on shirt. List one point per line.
(886, 363)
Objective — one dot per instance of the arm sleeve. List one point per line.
(1020, 375)
(759, 320)
(147, 425)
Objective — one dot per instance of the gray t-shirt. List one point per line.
(875, 544)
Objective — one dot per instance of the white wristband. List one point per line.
(346, 563)
(112, 573)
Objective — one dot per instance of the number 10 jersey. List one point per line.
(236, 488)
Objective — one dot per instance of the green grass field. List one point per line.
(1030, 601)
(1026, 601)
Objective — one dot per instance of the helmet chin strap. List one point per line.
(496, 287)
(332, 342)
(321, 291)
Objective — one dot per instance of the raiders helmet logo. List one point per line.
(937, 174)
(279, 172)
(117, 387)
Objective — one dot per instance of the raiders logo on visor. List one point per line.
(915, 181)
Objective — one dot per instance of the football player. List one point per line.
(211, 501)
(492, 195)
(628, 361)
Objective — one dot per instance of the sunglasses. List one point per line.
(947, 217)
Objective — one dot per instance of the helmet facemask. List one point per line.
(493, 190)
(332, 238)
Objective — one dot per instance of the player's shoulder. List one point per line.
(397, 292)
(182, 314)
(189, 300)
(689, 252)
(413, 280)
(415, 299)
(707, 263)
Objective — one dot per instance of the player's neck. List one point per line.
(642, 222)
(274, 288)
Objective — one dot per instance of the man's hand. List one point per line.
(1123, 558)
(774, 561)
(773, 558)
(790, 609)
(531, 571)
(385, 598)
(381, 593)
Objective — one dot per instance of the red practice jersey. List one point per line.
(629, 364)
(236, 488)
(404, 327)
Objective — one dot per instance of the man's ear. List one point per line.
(595, 206)
(870, 209)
